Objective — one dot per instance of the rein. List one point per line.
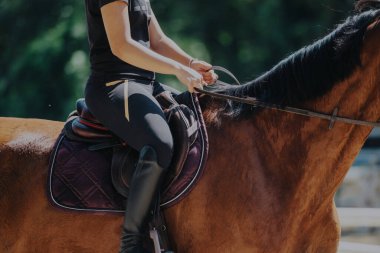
(299, 111)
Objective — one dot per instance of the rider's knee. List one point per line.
(164, 150)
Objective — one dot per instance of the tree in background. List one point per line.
(43, 57)
(44, 62)
(249, 36)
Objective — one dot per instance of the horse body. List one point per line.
(268, 187)
(257, 199)
(271, 179)
(239, 214)
(29, 222)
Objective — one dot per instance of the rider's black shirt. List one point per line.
(101, 57)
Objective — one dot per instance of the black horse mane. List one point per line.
(311, 71)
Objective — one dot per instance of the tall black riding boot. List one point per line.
(142, 194)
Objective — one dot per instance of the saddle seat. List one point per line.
(82, 126)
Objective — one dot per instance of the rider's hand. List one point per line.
(189, 77)
(205, 69)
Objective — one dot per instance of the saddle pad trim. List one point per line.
(50, 193)
(196, 177)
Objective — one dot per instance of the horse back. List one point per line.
(25, 146)
(29, 222)
(18, 132)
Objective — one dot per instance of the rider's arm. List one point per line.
(116, 21)
(163, 45)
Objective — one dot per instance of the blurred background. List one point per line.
(43, 44)
(44, 60)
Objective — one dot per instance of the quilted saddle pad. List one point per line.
(80, 179)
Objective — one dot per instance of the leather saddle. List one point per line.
(82, 126)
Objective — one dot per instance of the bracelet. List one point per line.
(191, 61)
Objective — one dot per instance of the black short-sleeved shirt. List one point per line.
(101, 57)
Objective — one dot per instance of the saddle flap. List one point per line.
(184, 116)
(184, 128)
(179, 125)
(123, 166)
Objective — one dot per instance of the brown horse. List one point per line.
(270, 178)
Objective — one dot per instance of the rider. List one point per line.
(127, 47)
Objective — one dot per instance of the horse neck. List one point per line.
(287, 158)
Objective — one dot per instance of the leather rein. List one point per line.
(334, 117)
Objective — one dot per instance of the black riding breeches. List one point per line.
(128, 108)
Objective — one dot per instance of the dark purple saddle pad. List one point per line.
(80, 179)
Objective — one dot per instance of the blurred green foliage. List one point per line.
(44, 62)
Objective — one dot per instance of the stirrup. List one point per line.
(158, 231)
(156, 242)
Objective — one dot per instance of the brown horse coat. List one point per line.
(268, 187)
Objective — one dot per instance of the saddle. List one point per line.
(83, 126)
(90, 168)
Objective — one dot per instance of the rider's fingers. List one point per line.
(202, 65)
(190, 88)
(195, 83)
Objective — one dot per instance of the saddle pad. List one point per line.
(80, 179)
